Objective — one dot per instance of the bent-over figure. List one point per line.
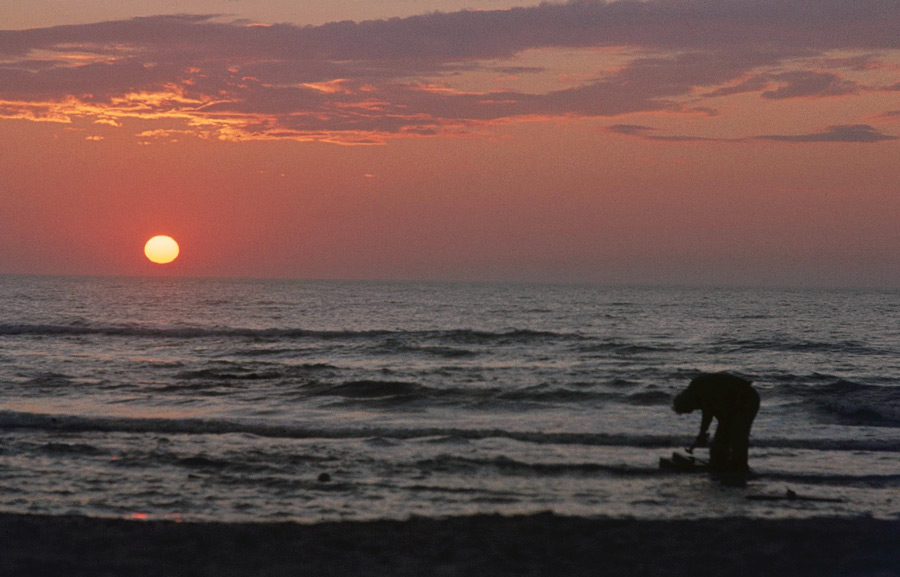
(734, 404)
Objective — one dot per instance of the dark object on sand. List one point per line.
(683, 464)
(734, 404)
(679, 463)
(790, 495)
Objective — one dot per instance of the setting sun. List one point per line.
(161, 249)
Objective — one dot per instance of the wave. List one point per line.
(61, 448)
(371, 389)
(623, 348)
(859, 480)
(453, 336)
(10, 420)
(550, 394)
(506, 465)
(394, 346)
(15, 420)
(217, 374)
(79, 329)
(404, 391)
(448, 463)
(388, 392)
(50, 380)
(849, 402)
(799, 346)
(650, 398)
(470, 336)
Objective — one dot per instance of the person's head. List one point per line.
(684, 402)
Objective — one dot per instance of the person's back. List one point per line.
(722, 394)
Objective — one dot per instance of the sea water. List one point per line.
(260, 400)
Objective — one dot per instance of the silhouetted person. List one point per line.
(734, 404)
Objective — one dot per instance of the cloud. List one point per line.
(794, 84)
(650, 133)
(843, 133)
(809, 83)
(753, 84)
(368, 81)
(839, 133)
(630, 129)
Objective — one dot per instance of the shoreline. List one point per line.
(484, 545)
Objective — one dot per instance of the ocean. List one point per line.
(273, 400)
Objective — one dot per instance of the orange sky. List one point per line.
(676, 141)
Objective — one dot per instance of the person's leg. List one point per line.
(739, 449)
(721, 446)
(740, 438)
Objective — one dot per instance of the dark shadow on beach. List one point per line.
(482, 545)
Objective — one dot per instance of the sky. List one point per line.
(690, 142)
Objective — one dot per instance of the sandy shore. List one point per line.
(483, 545)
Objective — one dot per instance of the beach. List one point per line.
(484, 545)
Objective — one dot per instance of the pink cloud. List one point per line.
(233, 80)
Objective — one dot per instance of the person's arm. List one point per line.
(703, 435)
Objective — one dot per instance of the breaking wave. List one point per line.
(10, 420)
(850, 402)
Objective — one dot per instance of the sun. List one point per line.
(161, 249)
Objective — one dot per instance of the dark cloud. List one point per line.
(85, 81)
(801, 84)
(683, 24)
(839, 133)
(630, 129)
(862, 62)
(376, 77)
(753, 84)
(650, 133)
(794, 84)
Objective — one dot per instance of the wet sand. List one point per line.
(482, 545)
